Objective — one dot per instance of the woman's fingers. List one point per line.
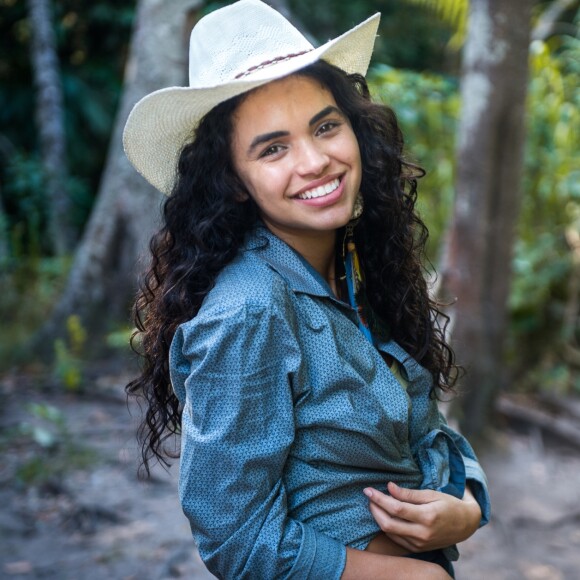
(390, 524)
(413, 496)
(423, 519)
(396, 507)
(411, 536)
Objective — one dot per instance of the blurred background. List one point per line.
(488, 97)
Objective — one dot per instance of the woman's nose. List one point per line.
(312, 159)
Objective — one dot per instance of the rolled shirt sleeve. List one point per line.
(445, 457)
(474, 473)
(233, 371)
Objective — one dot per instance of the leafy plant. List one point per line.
(453, 13)
(119, 339)
(427, 106)
(52, 449)
(68, 364)
(30, 285)
(92, 41)
(543, 260)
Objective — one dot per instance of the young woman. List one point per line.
(285, 322)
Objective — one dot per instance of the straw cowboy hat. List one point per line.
(232, 50)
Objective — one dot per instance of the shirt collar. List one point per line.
(287, 262)
(303, 278)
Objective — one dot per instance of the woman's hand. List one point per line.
(421, 520)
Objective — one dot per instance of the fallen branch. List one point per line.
(563, 427)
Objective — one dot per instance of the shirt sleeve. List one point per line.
(474, 473)
(447, 460)
(236, 369)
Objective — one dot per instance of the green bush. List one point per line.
(42, 447)
(550, 207)
(428, 108)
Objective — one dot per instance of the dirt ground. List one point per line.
(72, 507)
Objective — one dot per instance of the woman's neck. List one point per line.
(317, 248)
(322, 257)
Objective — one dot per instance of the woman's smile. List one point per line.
(320, 190)
(298, 158)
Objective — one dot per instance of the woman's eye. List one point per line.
(271, 150)
(327, 126)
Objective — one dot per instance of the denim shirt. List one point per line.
(289, 413)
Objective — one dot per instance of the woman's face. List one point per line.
(298, 157)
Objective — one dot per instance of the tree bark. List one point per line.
(477, 259)
(127, 210)
(51, 126)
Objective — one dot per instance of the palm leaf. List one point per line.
(451, 12)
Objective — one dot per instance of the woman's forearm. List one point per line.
(364, 565)
(382, 544)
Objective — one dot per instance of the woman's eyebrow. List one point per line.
(325, 112)
(258, 140)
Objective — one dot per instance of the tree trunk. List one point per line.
(127, 210)
(50, 120)
(477, 261)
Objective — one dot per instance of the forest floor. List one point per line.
(72, 508)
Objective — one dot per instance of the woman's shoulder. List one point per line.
(247, 313)
(248, 281)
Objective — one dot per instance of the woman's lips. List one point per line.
(325, 194)
(321, 190)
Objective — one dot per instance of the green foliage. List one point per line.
(551, 205)
(68, 365)
(51, 449)
(30, 285)
(409, 36)
(24, 203)
(452, 12)
(428, 108)
(92, 43)
(120, 338)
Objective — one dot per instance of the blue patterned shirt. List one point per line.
(289, 413)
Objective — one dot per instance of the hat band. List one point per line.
(267, 63)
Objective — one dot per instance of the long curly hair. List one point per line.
(205, 224)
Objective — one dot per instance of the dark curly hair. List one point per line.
(205, 224)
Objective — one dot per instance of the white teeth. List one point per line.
(321, 190)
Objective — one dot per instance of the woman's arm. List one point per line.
(237, 429)
(368, 566)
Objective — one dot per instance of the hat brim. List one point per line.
(161, 123)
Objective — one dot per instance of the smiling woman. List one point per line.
(299, 161)
(285, 324)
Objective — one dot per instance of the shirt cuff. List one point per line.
(320, 556)
(478, 484)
